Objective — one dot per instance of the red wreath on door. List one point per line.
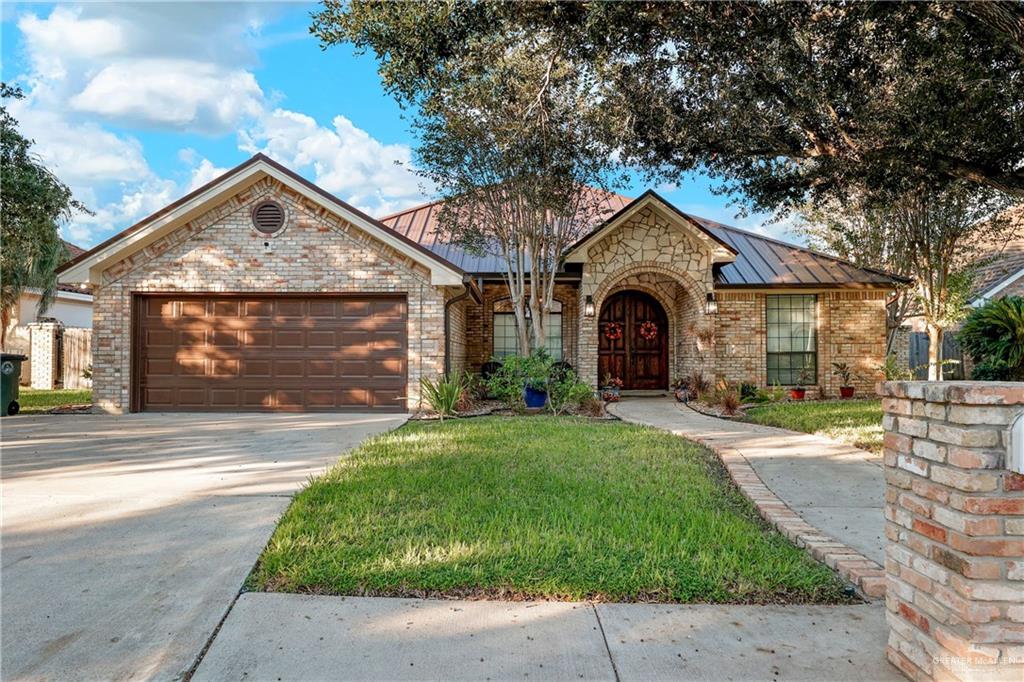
(613, 331)
(649, 330)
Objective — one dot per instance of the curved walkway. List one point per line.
(825, 496)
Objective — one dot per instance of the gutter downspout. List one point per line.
(471, 288)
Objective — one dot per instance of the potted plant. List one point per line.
(680, 389)
(536, 371)
(800, 390)
(611, 388)
(846, 377)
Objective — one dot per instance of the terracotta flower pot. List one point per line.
(797, 393)
(846, 391)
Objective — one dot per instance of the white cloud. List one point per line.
(172, 93)
(178, 67)
(758, 223)
(345, 160)
(80, 153)
(65, 35)
(204, 173)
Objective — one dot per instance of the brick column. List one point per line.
(43, 354)
(955, 524)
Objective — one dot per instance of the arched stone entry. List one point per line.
(626, 347)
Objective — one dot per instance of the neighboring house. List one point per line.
(72, 307)
(1000, 273)
(260, 291)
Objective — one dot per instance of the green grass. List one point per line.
(536, 507)
(33, 400)
(856, 422)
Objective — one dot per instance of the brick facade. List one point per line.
(851, 329)
(955, 525)
(317, 251)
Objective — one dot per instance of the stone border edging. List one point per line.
(863, 573)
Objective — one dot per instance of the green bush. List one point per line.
(516, 373)
(567, 393)
(444, 393)
(892, 371)
(994, 336)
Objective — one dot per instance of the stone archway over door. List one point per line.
(641, 363)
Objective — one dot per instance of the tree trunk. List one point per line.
(934, 352)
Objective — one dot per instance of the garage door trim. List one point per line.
(138, 298)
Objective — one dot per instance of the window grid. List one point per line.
(792, 337)
(506, 341)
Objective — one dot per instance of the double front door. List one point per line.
(633, 341)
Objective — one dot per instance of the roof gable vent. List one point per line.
(268, 217)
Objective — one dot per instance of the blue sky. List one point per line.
(134, 104)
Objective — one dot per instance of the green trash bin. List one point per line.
(10, 375)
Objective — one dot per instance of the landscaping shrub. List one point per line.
(516, 372)
(444, 395)
(994, 336)
(748, 392)
(892, 371)
(566, 392)
(697, 384)
(730, 401)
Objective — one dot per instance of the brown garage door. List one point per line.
(301, 353)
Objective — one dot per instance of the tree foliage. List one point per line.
(33, 203)
(509, 144)
(787, 102)
(933, 236)
(993, 335)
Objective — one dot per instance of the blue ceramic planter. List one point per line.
(534, 399)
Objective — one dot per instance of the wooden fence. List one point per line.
(76, 357)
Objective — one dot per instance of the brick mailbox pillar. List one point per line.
(955, 528)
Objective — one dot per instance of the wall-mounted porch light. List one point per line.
(588, 306)
(711, 307)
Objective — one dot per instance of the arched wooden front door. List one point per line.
(640, 356)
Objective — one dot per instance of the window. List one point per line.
(792, 337)
(507, 343)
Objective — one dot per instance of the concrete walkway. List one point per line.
(836, 488)
(298, 637)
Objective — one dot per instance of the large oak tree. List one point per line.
(786, 102)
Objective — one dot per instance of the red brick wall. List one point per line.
(955, 526)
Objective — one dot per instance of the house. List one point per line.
(71, 306)
(261, 291)
(1001, 273)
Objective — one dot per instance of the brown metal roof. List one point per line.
(420, 223)
(760, 261)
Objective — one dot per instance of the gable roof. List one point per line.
(765, 262)
(87, 266)
(651, 197)
(420, 223)
(757, 261)
(1002, 264)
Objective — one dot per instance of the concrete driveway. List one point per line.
(125, 539)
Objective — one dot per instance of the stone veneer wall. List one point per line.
(43, 354)
(955, 525)
(220, 252)
(851, 329)
(645, 245)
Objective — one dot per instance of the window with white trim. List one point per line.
(506, 341)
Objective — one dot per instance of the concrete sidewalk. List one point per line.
(299, 637)
(836, 488)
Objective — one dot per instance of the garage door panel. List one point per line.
(272, 353)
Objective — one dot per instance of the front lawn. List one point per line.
(536, 507)
(34, 401)
(855, 422)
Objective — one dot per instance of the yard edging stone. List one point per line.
(866, 575)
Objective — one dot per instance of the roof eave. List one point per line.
(88, 266)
